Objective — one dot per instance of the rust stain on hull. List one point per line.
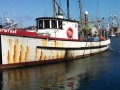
(21, 53)
(52, 57)
(36, 54)
(8, 57)
(57, 56)
(10, 42)
(42, 55)
(55, 43)
(44, 42)
(61, 54)
(27, 53)
(15, 51)
(49, 58)
(71, 55)
(14, 56)
(45, 58)
(9, 51)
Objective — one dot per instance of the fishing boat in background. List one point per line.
(55, 39)
(114, 26)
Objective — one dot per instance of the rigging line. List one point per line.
(109, 14)
(1, 10)
(91, 10)
(87, 9)
(115, 9)
(60, 9)
(43, 1)
(77, 8)
(64, 6)
(97, 10)
(56, 29)
(11, 6)
(92, 7)
(45, 14)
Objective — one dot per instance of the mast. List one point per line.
(68, 14)
(59, 8)
(81, 19)
(54, 10)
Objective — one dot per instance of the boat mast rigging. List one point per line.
(54, 9)
(68, 14)
(81, 30)
(81, 18)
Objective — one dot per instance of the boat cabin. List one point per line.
(57, 27)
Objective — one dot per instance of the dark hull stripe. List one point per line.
(70, 48)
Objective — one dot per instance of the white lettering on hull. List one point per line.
(7, 31)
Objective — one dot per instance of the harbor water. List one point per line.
(98, 72)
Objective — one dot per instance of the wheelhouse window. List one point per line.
(40, 24)
(60, 24)
(54, 23)
(46, 23)
(0, 26)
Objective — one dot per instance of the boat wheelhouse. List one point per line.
(57, 27)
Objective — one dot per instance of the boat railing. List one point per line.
(11, 26)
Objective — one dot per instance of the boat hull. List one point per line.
(19, 50)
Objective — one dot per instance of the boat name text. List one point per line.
(7, 31)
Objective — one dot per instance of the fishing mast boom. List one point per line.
(68, 14)
(81, 18)
(54, 9)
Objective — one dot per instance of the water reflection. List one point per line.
(67, 75)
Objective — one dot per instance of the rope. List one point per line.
(11, 6)
(37, 13)
(110, 48)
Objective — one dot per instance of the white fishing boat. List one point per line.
(55, 39)
(114, 26)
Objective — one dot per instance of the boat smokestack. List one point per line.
(86, 18)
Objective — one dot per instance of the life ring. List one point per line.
(69, 32)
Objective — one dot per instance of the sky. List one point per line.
(26, 11)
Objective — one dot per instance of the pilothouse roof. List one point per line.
(54, 18)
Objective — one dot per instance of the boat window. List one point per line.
(60, 24)
(0, 26)
(47, 23)
(41, 24)
(54, 23)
